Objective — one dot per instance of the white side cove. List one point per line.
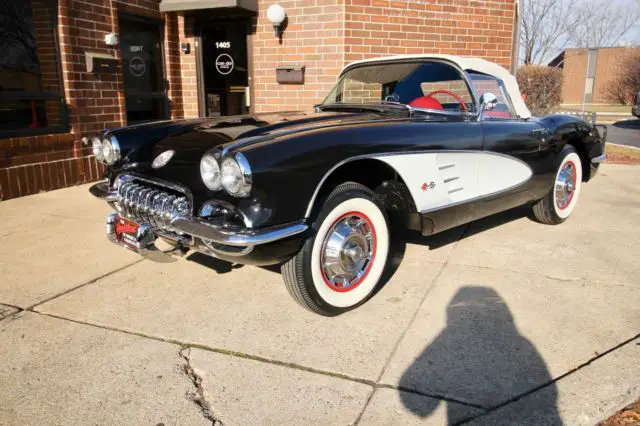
(441, 179)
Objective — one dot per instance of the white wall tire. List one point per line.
(559, 203)
(313, 280)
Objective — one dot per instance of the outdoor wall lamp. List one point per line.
(276, 15)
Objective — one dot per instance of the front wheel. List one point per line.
(338, 268)
(559, 203)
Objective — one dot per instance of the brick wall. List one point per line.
(326, 35)
(95, 101)
(608, 68)
(314, 37)
(574, 72)
(323, 35)
(457, 27)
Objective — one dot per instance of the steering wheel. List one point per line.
(453, 95)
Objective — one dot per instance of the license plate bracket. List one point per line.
(128, 234)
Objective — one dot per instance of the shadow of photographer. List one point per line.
(480, 358)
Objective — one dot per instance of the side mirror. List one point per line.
(488, 101)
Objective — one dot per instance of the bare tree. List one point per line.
(545, 24)
(626, 84)
(599, 25)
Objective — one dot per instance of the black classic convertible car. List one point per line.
(423, 142)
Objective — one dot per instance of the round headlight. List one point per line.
(107, 151)
(110, 150)
(96, 145)
(236, 175)
(210, 171)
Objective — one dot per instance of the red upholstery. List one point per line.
(498, 114)
(426, 102)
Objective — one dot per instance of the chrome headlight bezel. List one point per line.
(208, 163)
(110, 150)
(96, 147)
(238, 172)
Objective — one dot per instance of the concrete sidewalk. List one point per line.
(504, 321)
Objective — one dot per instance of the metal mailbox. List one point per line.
(100, 62)
(290, 74)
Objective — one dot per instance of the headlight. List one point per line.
(236, 175)
(210, 170)
(96, 145)
(110, 150)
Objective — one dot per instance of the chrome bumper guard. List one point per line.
(200, 228)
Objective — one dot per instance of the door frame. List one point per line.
(199, 24)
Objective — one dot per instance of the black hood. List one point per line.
(191, 138)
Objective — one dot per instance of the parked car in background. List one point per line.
(635, 109)
(423, 142)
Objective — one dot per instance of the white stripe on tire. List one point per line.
(364, 288)
(566, 212)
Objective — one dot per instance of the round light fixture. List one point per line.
(276, 15)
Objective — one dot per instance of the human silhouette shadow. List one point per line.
(480, 359)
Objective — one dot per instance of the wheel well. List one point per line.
(391, 191)
(581, 148)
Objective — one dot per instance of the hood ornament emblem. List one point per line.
(162, 159)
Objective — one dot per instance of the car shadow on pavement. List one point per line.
(479, 358)
(218, 265)
(399, 240)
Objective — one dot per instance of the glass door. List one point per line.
(225, 67)
(141, 52)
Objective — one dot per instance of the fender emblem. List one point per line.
(425, 186)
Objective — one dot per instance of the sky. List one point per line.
(632, 38)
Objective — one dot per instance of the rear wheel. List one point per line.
(558, 204)
(338, 268)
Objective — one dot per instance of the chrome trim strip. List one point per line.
(599, 159)
(244, 237)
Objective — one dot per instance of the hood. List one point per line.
(191, 138)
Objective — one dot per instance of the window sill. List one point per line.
(18, 133)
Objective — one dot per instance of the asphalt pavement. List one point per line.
(626, 132)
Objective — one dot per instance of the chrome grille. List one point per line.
(153, 205)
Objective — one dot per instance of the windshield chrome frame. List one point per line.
(463, 73)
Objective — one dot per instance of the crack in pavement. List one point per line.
(551, 382)
(199, 396)
(197, 379)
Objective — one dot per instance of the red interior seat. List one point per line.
(426, 102)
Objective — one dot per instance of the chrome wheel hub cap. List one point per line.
(348, 251)
(565, 185)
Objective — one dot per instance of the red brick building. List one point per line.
(73, 67)
(587, 73)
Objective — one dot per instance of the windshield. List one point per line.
(425, 85)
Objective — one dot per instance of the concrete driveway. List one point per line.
(504, 321)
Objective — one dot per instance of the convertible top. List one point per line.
(468, 64)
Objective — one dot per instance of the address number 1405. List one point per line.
(223, 45)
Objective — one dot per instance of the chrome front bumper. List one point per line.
(201, 228)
